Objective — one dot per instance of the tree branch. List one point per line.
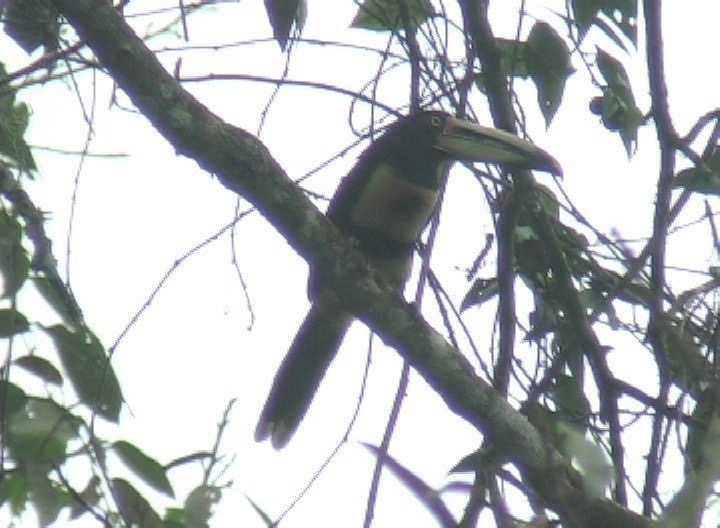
(667, 139)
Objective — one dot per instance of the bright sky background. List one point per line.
(192, 350)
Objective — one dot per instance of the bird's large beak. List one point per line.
(470, 142)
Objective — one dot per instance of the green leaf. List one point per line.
(177, 517)
(530, 253)
(621, 14)
(199, 504)
(469, 463)
(12, 397)
(57, 296)
(548, 425)
(619, 111)
(90, 496)
(706, 406)
(32, 23)
(481, 291)
(512, 57)
(615, 76)
(386, 15)
(548, 201)
(590, 298)
(618, 116)
(685, 360)
(13, 124)
(610, 31)
(134, 509)
(41, 367)
(548, 64)
(264, 516)
(46, 495)
(542, 320)
(585, 12)
(12, 323)
(571, 403)
(575, 247)
(41, 430)
(14, 260)
(635, 292)
(286, 17)
(14, 490)
(145, 467)
(704, 180)
(92, 376)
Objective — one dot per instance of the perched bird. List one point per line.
(383, 204)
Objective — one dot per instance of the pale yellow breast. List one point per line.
(400, 213)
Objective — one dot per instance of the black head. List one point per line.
(409, 147)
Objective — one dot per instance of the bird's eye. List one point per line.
(435, 121)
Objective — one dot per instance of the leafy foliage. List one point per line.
(134, 509)
(584, 287)
(701, 180)
(143, 466)
(32, 23)
(608, 15)
(286, 17)
(14, 260)
(12, 322)
(14, 119)
(86, 363)
(548, 64)
(199, 505)
(387, 15)
(544, 58)
(40, 435)
(617, 108)
(40, 367)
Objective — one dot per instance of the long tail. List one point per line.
(301, 372)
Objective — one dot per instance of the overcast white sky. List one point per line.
(192, 351)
